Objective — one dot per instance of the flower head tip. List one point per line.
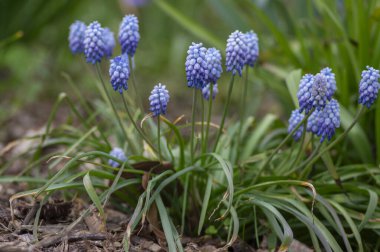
(196, 66)
(76, 37)
(369, 86)
(129, 35)
(94, 45)
(159, 99)
(119, 154)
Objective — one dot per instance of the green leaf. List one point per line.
(292, 82)
(357, 136)
(189, 24)
(205, 203)
(91, 192)
(165, 222)
(371, 208)
(257, 135)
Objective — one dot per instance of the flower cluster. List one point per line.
(119, 73)
(196, 66)
(76, 37)
(213, 65)
(312, 92)
(328, 120)
(109, 42)
(94, 45)
(369, 86)
(206, 91)
(159, 99)
(252, 42)
(330, 82)
(296, 118)
(242, 49)
(236, 52)
(129, 35)
(316, 92)
(119, 154)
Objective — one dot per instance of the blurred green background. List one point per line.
(294, 34)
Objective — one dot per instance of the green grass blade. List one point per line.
(377, 128)
(227, 169)
(292, 82)
(92, 194)
(350, 222)
(257, 135)
(357, 136)
(189, 24)
(371, 208)
(286, 235)
(165, 222)
(205, 203)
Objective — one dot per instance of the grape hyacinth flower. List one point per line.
(119, 73)
(236, 52)
(109, 42)
(252, 42)
(76, 37)
(312, 92)
(159, 99)
(119, 154)
(196, 66)
(295, 118)
(369, 86)
(328, 120)
(214, 65)
(94, 46)
(206, 91)
(129, 35)
(312, 122)
(331, 83)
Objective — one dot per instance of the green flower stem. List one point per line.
(134, 84)
(261, 169)
(202, 128)
(208, 120)
(159, 137)
(307, 169)
(242, 113)
(131, 143)
(193, 125)
(340, 138)
(139, 130)
(225, 112)
(302, 145)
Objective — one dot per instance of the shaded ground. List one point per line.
(56, 231)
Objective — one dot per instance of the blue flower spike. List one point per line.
(312, 122)
(196, 66)
(328, 120)
(214, 65)
(119, 73)
(236, 52)
(94, 45)
(76, 37)
(206, 91)
(312, 92)
(159, 99)
(330, 80)
(252, 42)
(109, 41)
(369, 86)
(295, 118)
(119, 154)
(129, 35)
